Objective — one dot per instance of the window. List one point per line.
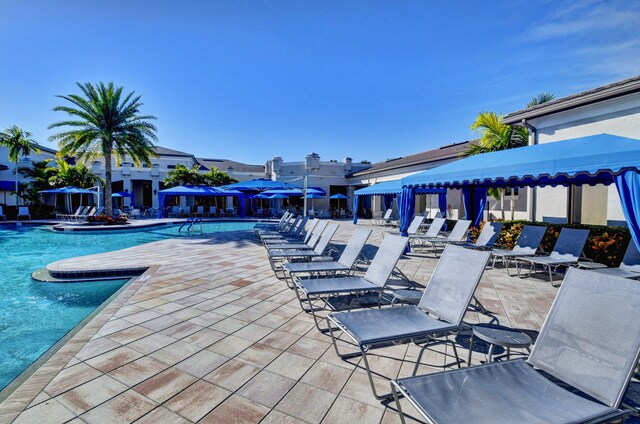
(171, 167)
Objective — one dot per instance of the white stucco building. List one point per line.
(612, 109)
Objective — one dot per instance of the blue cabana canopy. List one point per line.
(586, 160)
(389, 189)
(198, 191)
(278, 196)
(596, 159)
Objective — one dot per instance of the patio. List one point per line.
(208, 334)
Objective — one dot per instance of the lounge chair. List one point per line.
(213, 211)
(526, 245)
(285, 230)
(630, 266)
(566, 251)
(23, 211)
(90, 211)
(589, 342)
(344, 264)
(175, 212)
(295, 233)
(432, 232)
(386, 218)
(278, 256)
(487, 237)
(270, 225)
(2, 215)
(199, 211)
(416, 222)
(331, 291)
(439, 313)
(457, 235)
(309, 242)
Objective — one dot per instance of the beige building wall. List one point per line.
(597, 204)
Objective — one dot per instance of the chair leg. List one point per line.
(370, 375)
(396, 399)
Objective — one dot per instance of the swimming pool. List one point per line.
(35, 315)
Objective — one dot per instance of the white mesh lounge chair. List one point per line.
(630, 266)
(295, 233)
(589, 341)
(416, 222)
(345, 263)
(331, 291)
(457, 235)
(286, 229)
(277, 257)
(316, 227)
(526, 245)
(199, 211)
(566, 251)
(386, 218)
(23, 212)
(439, 313)
(271, 225)
(2, 215)
(487, 237)
(175, 212)
(433, 231)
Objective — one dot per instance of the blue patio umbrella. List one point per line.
(278, 196)
(69, 190)
(313, 196)
(339, 196)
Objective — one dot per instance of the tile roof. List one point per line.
(171, 152)
(445, 152)
(609, 91)
(223, 164)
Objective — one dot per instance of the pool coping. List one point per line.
(67, 348)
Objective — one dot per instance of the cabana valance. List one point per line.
(586, 160)
(596, 159)
(199, 191)
(389, 189)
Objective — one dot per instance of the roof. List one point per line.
(594, 159)
(599, 94)
(223, 164)
(170, 152)
(450, 151)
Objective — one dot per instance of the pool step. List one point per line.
(46, 276)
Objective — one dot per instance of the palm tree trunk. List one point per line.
(108, 201)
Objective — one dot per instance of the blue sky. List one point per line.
(247, 80)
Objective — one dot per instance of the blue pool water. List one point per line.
(35, 315)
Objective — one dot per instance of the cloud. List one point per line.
(586, 17)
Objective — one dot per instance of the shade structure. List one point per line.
(339, 196)
(314, 196)
(278, 196)
(260, 196)
(595, 159)
(199, 191)
(121, 194)
(296, 191)
(586, 160)
(390, 189)
(69, 190)
(259, 184)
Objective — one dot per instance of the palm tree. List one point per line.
(105, 123)
(74, 175)
(541, 98)
(182, 175)
(216, 177)
(20, 144)
(497, 136)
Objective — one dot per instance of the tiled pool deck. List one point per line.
(209, 334)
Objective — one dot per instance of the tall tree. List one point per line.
(497, 136)
(39, 175)
(105, 123)
(182, 175)
(20, 144)
(216, 177)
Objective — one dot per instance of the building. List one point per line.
(397, 168)
(8, 175)
(612, 109)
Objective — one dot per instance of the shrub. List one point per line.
(103, 219)
(605, 244)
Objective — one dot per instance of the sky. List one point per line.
(249, 80)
